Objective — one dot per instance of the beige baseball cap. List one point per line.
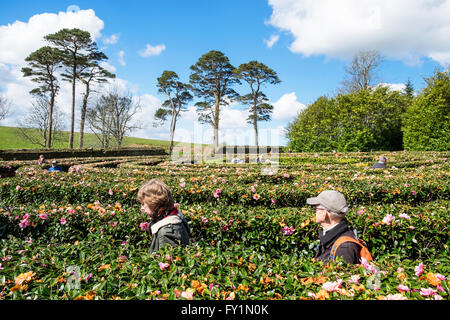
(330, 199)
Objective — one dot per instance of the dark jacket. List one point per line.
(349, 251)
(172, 230)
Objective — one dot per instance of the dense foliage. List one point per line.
(427, 120)
(253, 235)
(376, 118)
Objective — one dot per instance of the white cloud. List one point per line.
(152, 50)
(401, 29)
(122, 58)
(19, 39)
(272, 40)
(108, 66)
(287, 107)
(113, 39)
(394, 86)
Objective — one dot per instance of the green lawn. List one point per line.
(11, 139)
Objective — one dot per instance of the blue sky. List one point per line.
(314, 42)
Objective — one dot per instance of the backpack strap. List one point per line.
(340, 241)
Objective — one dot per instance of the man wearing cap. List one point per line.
(55, 166)
(330, 207)
(381, 164)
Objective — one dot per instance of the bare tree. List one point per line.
(123, 110)
(113, 117)
(34, 127)
(361, 72)
(99, 119)
(4, 107)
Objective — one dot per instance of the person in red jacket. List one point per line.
(330, 208)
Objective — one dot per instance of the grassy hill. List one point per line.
(11, 139)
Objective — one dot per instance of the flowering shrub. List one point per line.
(253, 235)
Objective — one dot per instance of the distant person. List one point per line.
(236, 160)
(168, 225)
(381, 164)
(41, 160)
(260, 158)
(55, 166)
(330, 207)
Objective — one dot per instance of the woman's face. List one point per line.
(146, 209)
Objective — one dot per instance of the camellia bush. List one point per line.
(81, 234)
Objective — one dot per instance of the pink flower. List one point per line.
(63, 220)
(163, 265)
(188, 294)
(437, 297)
(274, 200)
(253, 189)
(217, 193)
(43, 216)
(388, 218)
(256, 196)
(18, 188)
(204, 220)
(354, 279)
(396, 296)
(407, 185)
(286, 175)
(419, 269)
(182, 183)
(403, 288)
(176, 205)
(427, 292)
(440, 288)
(231, 296)
(168, 257)
(440, 277)
(24, 223)
(404, 216)
(144, 226)
(413, 192)
(88, 277)
(110, 192)
(287, 231)
(332, 286)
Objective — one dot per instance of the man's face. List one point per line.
(321, 213)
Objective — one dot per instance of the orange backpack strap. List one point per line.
(340, 241)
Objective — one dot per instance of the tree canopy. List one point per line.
(427, 119)
(361, 120)
(211, 80)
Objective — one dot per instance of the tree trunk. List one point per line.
(72, 120)
(216, 124)
(255, 123)
(50, 121)
(172, 132)
(83, 115)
